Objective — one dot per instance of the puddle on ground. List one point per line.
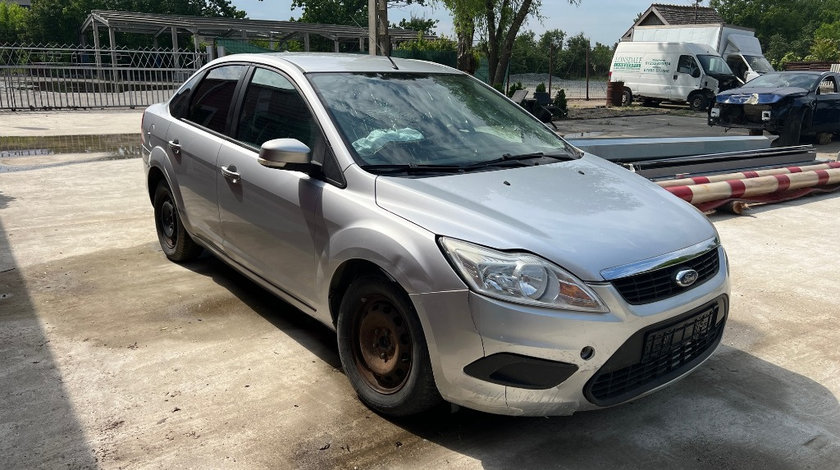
(35, 152)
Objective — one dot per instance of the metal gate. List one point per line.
(48, 77)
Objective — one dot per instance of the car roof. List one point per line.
(309, 62)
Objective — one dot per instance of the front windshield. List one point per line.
(783, 80)
(714, 65)
(759, 63)
(429, 119)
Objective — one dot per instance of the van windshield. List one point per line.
(759, 63)
(714, 65)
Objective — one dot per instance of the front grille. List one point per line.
(660, 284)
(658, 355)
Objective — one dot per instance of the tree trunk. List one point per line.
(466, 61)
(507, 46)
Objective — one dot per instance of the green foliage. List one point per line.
(785, 28)
(513, 88)
(440, 44)
(824, 50)
(13, 19)
(344, 12)
(58, 21)
(560, 100)
(561, 104)
(423, 25)
(540, 88)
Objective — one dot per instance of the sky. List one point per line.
(600, 20)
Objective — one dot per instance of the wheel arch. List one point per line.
(344, 276)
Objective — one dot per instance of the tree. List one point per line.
(465, 14)
(824, 50)
(786, 28)
(500, 20)
(423, 25)
(13, 18)
(58, 21)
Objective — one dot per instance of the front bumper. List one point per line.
(747, 116)
(509, 357)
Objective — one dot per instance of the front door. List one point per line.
(827, 110)
(272, 219)
(686, 79)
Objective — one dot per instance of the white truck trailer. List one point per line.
(738, 46)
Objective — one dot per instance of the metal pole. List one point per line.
(371, 27)
(550, 65)
(587, 70)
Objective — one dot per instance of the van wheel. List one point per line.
(698, 102)
(626, 97)
(383, 350)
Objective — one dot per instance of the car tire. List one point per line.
(824, 138)
(626, 97)
(383, 350)
(792, 131)
(698, 102)
(176, 243)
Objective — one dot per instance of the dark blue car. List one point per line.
(788, 104)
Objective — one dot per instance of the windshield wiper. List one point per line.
(507, 157)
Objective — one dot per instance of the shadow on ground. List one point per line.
(38, 424)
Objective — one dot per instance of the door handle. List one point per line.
(175, 147)
(675, 76)
(230, 173)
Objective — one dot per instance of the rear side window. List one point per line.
(212, 99)
(180, 104)
(274, 109)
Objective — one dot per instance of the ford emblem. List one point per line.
(686, 277)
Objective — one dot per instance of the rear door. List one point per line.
(827, 110)
(272, 219)
(193, 143)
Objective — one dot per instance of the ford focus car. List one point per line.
(461, 250)
(788, 104)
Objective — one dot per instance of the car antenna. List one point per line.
(378, 46)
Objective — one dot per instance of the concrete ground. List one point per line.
(114, 357)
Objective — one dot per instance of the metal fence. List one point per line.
(55, 77)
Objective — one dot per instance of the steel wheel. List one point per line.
(383, 350)
(174, 240)
(167, 222)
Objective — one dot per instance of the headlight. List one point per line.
(519, 277)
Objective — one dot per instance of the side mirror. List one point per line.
(284, 153)
(695, 73)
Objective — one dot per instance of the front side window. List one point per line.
(212, 99)
(430, 119)
(274, 109)
(687, 64)
(714, 65)
(759, 63)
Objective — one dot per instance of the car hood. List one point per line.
(585, 215)
(758, 95)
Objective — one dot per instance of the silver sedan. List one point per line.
(462, 251)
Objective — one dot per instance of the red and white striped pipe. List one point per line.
(770, 188)
(747, 174)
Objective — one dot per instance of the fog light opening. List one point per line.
(587, 353)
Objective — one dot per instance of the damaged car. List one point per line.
(461, 249)
(788, 104)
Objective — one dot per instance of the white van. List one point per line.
(670, 71)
